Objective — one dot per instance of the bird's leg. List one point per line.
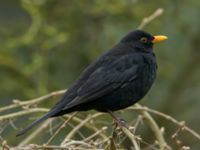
(121, 122)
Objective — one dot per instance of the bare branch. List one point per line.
(173, 120)
(147, 20)
(22, 113)
(158, 133)
(19, 103)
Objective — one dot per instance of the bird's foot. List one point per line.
(121, 122)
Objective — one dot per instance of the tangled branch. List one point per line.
(100, 133)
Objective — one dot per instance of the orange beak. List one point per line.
(159, 38)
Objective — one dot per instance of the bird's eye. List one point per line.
(143, 40)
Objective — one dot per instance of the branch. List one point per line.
(147, 20)
(60, 128)
(131, 136)
(74, 130)
(19, 103)
(95, 134)
(158, 133)
(22, 113)
(165, 116)
(34, 134)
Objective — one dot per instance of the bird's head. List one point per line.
(142, 41)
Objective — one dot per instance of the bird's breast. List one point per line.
(146, 75)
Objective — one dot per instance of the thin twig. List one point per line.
(150, 18)
(60, 128)
(36, 133)
(131, 136)
(22, 113)
(95, 134)
(87, 125)
(159, 135)
(70, 134)
(19, 103)
(72, 142)
(173, 120)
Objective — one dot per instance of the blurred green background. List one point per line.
(45, 44)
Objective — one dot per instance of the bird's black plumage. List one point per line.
(116, 80)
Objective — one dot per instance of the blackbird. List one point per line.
(117, 79)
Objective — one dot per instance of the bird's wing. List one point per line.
(104, 80)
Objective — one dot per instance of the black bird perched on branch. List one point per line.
(116, 80)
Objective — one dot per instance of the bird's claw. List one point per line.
(121, 122)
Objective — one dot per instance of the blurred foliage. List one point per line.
(45, 44)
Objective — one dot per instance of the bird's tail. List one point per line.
(46, 116)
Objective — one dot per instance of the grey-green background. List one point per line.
(45, 44)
